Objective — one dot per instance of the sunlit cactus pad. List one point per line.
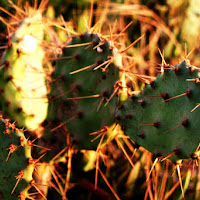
(164, 117)
(83, 82)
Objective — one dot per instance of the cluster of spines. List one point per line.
(17, 164)
(15, 171)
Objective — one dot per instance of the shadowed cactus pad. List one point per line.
(83, 82)
(14, 166)
(163, 118)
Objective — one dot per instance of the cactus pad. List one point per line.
(22, 84)
(83, 82)
(14, 166)
(163, 118)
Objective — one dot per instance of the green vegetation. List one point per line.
(90, 107)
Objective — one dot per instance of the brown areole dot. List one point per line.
(185, 122)
(7, 63)
(165, 96)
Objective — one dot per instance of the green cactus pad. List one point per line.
(160, 123)
(14, 155)
(94, 87)
(22, 79)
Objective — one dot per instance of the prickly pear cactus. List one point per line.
(15, 170)
(84, 81)
(22, 78)
(164, 117)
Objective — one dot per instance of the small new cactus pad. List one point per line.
(84, 81)
(22, 78)
(15, 170)
(164, 117)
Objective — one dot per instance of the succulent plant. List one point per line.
(22, 85)
(84, 81)
(163, 117)
(15, 169)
